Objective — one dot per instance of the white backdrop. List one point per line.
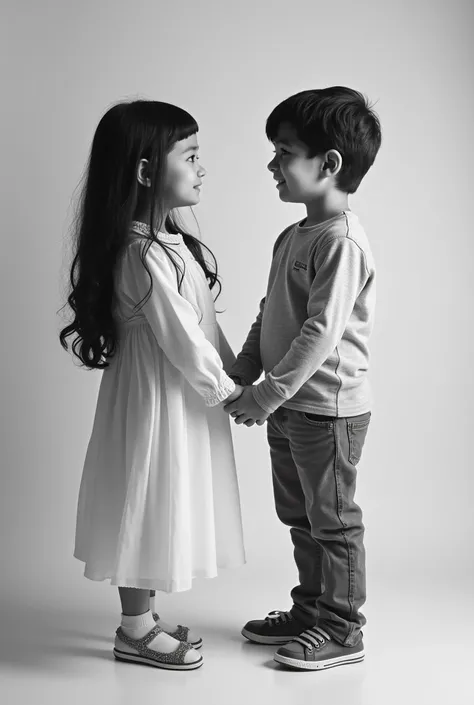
(229, 64)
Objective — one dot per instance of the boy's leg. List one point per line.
(325, 453)
(291, 509)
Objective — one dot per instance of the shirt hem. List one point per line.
(326, 411)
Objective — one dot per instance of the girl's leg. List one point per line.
(134, 601)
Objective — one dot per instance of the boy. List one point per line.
(310, 338)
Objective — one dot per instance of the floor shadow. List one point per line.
(44, 639)
(47, 657)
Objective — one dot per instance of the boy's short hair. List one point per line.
(333, 118)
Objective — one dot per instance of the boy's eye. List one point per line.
(282, 152)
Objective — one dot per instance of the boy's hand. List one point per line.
(246, 410)
(235, 394)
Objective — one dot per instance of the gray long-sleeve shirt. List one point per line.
(311, 335)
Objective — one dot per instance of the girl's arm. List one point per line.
(175, 323)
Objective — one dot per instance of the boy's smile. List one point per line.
(296, 174)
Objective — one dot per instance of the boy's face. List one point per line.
(299, 178)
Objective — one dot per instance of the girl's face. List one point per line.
(184, 174)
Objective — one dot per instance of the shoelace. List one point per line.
(277, 617)
(313, 638)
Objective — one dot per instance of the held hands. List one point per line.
(243, 407)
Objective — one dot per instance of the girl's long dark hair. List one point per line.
(127, 133)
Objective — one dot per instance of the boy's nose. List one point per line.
(272, 166)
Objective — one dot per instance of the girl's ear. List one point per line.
(332, 162)
(142, 173)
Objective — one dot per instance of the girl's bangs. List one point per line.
(184, 130)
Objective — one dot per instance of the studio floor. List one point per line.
(58, 649)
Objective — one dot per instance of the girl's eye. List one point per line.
(193, 158)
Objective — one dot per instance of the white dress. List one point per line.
(159, 500)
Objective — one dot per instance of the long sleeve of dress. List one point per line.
(175, 323)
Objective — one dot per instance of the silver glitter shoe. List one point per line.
(181, 634)
(183, 658)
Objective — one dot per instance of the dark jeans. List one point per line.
(314, 462)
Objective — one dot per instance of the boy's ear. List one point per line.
(332, 162)
(142, 173)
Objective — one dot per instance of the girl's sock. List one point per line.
(138, 626)
(192, 636)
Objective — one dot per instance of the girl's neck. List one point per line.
(142, 214)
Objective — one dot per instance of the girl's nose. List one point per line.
(201, 171)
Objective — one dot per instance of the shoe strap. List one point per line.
(181, 633)
(139, 643)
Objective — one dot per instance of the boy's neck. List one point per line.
(326, 207)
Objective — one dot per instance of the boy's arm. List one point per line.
(248, 366)
(341, 274)
(225, 351)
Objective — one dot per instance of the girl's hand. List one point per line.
(235, 394)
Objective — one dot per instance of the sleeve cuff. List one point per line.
(226, 387)
(266, 397)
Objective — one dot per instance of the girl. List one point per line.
(159, 499)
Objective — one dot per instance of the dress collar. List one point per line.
(144, 229)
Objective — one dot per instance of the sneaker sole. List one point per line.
(270, 640)
(319, 665)
(135, 658)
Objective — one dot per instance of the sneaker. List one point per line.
(276, 628)
(314, 650)
(183, 658)
(180, 633)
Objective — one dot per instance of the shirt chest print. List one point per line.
(300, 266)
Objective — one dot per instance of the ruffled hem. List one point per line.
(162, 585)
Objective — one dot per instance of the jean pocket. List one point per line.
(318, 420)
(357, 432)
